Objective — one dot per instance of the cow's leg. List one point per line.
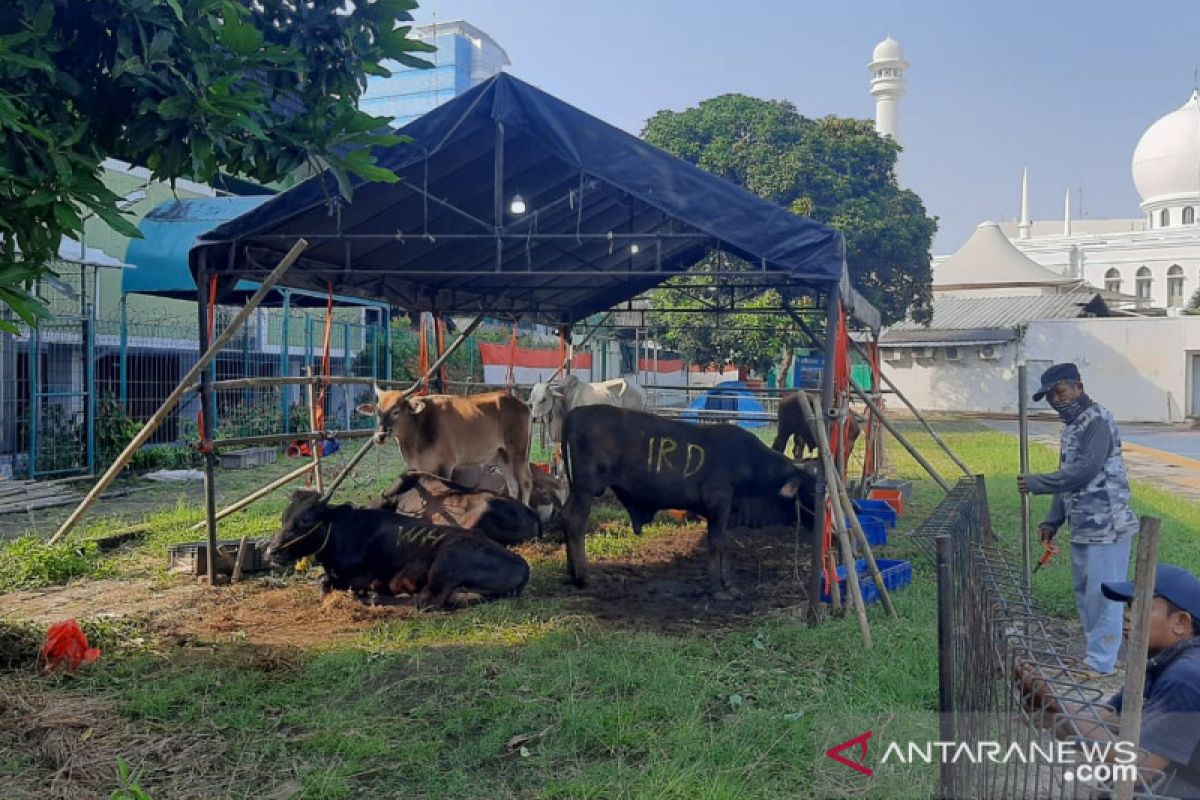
(780, 443)
(575, 517)
(720, 582)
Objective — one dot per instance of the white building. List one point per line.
(1155, 256)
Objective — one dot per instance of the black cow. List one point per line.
(793, 425)
(388, 552)
(652, 463)
(443, 502)
(777, 511)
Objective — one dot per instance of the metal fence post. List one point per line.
(946, 696)
(89, 366)
(123, 358)
(35, 385)
(1023, 436)
(387, 327)
(346, 369)
(285, 350)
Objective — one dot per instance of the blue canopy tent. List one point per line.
(159, 260)
(729, 397)
(605, 216)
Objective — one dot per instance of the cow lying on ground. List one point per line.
(387, 553)
(552, 402)
(652, 463)
(793, 425)
(440, 432)
(423, 495)
(547, 496)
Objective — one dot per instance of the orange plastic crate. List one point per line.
(893, 497)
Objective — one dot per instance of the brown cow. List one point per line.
(504, 520)
(439, 432)
(794, 425)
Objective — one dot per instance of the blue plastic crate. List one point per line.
(874, 528)
(896, 573)
(877, 508)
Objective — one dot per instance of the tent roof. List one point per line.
(988, 258)
(608, 217)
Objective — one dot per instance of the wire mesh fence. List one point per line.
(991, 625)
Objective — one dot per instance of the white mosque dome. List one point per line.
(1166, 163)
(887, 50)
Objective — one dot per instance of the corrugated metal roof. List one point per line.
(992, 313)
(928, 338)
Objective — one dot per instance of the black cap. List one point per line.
(1174, 584)
(1059, 372)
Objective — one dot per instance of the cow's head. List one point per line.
(304, 531)
(394, 412)
(541, 399)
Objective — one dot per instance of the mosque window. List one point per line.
(1189, 216)
(1164, 218)
(1175, 286)
(1112, 280)
(1144, 281)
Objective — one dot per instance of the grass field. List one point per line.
(530, 698)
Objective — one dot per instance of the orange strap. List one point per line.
(423, 351)
(439, 326)
(325, 366)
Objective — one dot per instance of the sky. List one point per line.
(1064, 88)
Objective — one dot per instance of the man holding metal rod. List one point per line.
(1091, 495)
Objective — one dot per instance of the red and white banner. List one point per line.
(530, 365)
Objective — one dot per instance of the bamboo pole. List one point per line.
(257, 494)
(286, 438)
(172, 400)
(839, 523)
(1139, 640)
(856, 528)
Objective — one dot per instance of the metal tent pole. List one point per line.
(206, 426)
(1023, 436)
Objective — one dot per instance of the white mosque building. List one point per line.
(1155, 257)
(1106, 294)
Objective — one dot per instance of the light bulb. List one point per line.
(517, 206)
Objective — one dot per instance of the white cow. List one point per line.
(551, 402)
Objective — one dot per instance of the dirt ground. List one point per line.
(663, 588)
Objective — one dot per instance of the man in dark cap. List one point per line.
(1091, 495)
(1170, 735)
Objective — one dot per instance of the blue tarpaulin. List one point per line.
(728, 397)
(159, 260)
(606, 217)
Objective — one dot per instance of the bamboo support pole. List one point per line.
(1139, 640)
(350, 465)
(206, 358)
(287, 438)
(258, 494)
(856, 528)
(839, 522)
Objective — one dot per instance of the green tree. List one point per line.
(836, 171)
(186, 88)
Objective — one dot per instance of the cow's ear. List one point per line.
(416, 406)
(366, 408)
(557, 391)
(790, 488)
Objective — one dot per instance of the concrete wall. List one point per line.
(968, 384)
(1140, 368)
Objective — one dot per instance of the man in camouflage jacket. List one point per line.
(1091, 495)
